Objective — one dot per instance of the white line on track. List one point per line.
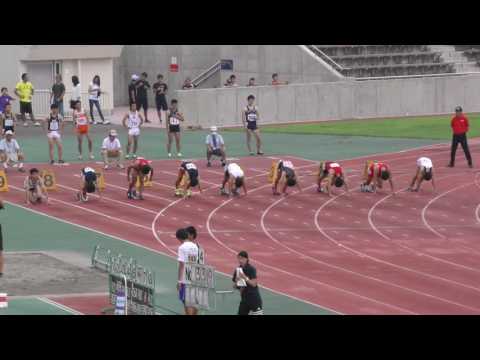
(60, 306)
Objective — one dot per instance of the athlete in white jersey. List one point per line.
(187, 253)
(424, 172)
(132, 121)
(53, 126)
(235, 177)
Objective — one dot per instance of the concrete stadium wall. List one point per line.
(334, 101)
(260, 61)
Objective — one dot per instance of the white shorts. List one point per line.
(11, 157)
(134, 132)
(54, 135)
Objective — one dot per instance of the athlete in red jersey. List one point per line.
(140, 169)
(331, 173)
(374, 174)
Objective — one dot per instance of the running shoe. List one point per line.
(209, 164)
(22, 170)
(52, 162)
(148, 121)
(130, 195)
(179, 155)
(80, 157)
(121, 166)
(106, 167)
(169, 155)
(106, 122)
(252, 153)
(25, 124)
(61, 162)
(259, 153)
(134, 156)
(92, 157)
(37, 123)
(127, 157)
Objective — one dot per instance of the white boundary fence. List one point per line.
(41, 103)
(340, 100)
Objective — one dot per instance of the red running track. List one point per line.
(411, 253)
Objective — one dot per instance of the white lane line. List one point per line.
(60, 306)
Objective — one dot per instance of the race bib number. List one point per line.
(174, 121)
(191, 166)
(251, 117)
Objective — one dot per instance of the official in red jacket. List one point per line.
(460, 128)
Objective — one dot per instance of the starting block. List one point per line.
(49, 180)
(3, 181)
(100, 179)
(146, 182)
(272, 176)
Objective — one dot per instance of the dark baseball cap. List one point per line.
(458, 109)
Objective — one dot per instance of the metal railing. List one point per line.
(207, 74)
(416, 76)
(326, 58)
(41, 103)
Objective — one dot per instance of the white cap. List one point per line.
(113, 132)
(9, 132)
(135, 77)
(213, 129)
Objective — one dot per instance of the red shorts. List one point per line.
(82, 129)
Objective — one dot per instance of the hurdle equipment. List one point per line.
(49, 180)
(3, 181)
(100, 179)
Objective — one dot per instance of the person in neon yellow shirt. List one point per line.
(24, 90)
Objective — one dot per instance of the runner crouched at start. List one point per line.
(35, 191)
(375, 173)
(235, 177)
(89, 184)
(284, 173)
(331, 173)
(424, 172)
(187, 179)
(139, 170)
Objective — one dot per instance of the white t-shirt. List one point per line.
(93, 93)
(425, 162)
(11, 147)
(187, 253)
(76, 93)
(111, 145)
(234, 170)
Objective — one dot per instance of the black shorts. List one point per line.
(161, 102)
(25, 108)
(216, 152)
(11, 128)
(1, 239)
(142, 102)
(252, 125)
(246, 306)
(193, 174)
(174, 128)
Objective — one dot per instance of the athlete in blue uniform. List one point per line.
(89, 184)
(250, 117)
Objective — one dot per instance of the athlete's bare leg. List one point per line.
(249, 139)
(177, 142)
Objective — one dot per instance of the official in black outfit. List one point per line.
(245, 280)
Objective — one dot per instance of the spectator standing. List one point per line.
(174, 117)
(76, 92)
(460, 127)
(5, 99)
(250, 117)
(187, 253)
(245, 280)
(160, 90)
(142, 86)
(276, 81)
(188, 85)
(94, 93)
(25, 91)
(58, 92)
(251, 82)
(53, 126)
(132, 90)
(215, 146)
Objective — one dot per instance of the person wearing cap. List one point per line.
(112, 149)
(460, 128)
(245, 280)
(10, 153)
(132, 90)
(215, 146)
